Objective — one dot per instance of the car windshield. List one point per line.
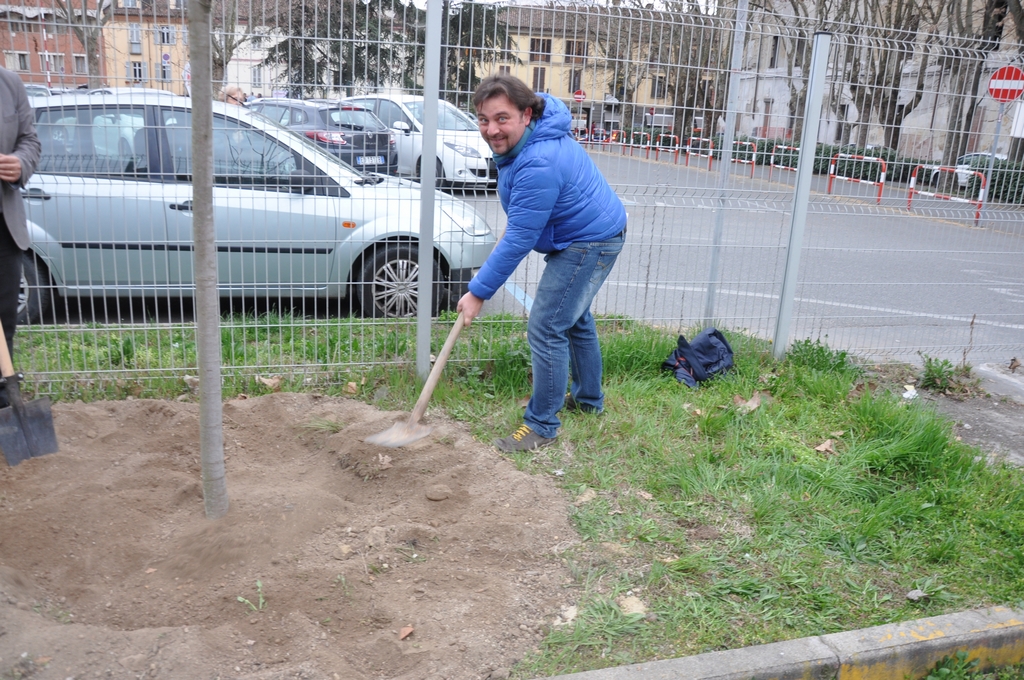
(354, 119)
(448, 117)
(306, 142)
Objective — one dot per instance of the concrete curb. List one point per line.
(890, 652)
(998, 380)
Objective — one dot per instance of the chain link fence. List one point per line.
(913, 242)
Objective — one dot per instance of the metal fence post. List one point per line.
(725, 167)
(428, 181)
(802, 192)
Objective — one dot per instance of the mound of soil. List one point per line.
(438, 560)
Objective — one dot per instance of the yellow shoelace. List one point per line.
(519, 434)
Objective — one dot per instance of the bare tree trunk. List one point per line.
(211, 424)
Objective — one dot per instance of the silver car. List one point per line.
(110, 213)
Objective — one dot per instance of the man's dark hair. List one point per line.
(521, 96)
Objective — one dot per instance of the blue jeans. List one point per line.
(562, 333)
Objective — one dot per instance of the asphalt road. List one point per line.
(874, 278)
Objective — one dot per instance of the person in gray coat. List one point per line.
(19, 155)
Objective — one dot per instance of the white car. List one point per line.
(463, 157)
(110, 213)
(966, 166)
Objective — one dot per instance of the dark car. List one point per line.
(351, 133)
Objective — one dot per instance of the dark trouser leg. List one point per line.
(10, 282)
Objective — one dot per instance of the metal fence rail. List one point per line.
(876, 278)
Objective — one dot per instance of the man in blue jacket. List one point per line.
(558, 204)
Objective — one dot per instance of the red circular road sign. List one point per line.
(1006, 84)
(580, 95)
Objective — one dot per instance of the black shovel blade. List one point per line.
(26, 429)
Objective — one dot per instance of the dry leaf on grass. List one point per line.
(643, 494)
(825, 447)
(352, 388)
(698, 412)
(838, 433)
(861, 388)
(747, 405)
(585, 497)
(405, 632)
(273, 383)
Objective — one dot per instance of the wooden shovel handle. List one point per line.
(6, 367)
(435, 372)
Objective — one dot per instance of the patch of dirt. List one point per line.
(108, 567)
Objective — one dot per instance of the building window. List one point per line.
(575, 51)
(540, 49)
(50, 63)
(184, 35)
(576, 80)
(539, 74)
(81, 64)
(256, 76)
(137, 71)
(129, 4)
(16, 61)
(505, 70)
(659, 88)
(165, 36)
(801, 49)
(23, 26)
(773, 59)
(163, 70)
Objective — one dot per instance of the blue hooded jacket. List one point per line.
(553, 195)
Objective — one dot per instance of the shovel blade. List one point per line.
(28, 431)
(399, 434)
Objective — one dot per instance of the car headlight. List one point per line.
(467, 151)
(466, 219)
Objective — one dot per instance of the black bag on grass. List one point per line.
(694, 362)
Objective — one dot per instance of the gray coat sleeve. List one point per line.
(26, 146)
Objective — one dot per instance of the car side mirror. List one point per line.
(401, 126)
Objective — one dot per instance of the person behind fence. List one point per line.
(558, 204)
(19, 155)
(232, 94)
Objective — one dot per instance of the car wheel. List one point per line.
(438, 171)
(389, 286)
(35, 297)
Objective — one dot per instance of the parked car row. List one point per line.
(353, 128)
(110, 212)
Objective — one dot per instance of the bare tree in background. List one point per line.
(87, 25)
(232, 29)
(975, 33)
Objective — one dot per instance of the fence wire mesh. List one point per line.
(912, 244)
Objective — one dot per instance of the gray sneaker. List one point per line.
(523, 439)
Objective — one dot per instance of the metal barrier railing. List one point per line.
(795, 150)
(701, 152)
(673, 146)
(977, 203)
(644, 143)
(752, 162)
(832, 176)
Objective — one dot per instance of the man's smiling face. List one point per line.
(501, 124)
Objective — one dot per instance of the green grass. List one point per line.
(734, 529)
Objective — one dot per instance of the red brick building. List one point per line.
(40, 46)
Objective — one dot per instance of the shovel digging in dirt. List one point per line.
(403, 434)
(26, 429)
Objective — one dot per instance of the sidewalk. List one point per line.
(889, 652)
